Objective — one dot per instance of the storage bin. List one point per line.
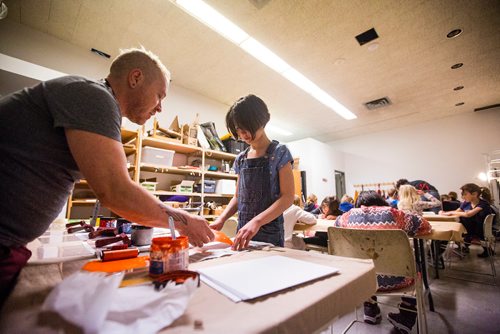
(225, 187)
(185, 186)
(149, 186)
(157, 156)
(209, 187)
(234, 146)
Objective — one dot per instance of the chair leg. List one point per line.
(421, 316)
(491, 256)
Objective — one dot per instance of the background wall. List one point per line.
(447, 153)
(319, 161)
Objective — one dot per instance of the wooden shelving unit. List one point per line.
(134, 141)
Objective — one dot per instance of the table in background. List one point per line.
(306, 308)
(444, 228)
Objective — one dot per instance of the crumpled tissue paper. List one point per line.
(94, 302)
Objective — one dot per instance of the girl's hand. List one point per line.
(217, 225)
(244, 235)
(321, 216)
(330, 217)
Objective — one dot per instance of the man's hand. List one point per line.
(244, 235)
(194, 227)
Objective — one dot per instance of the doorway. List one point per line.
(339, 184)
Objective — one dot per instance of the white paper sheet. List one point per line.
(255, 278)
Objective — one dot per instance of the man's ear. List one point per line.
(135, 77)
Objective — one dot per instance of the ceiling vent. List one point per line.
(379, 103)
(367, 36)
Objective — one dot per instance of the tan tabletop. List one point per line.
(439, 218)
(321, 225)
(441, 230)
(446, 231)
(303, 309)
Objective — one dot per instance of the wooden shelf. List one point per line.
(173, 193)
(220, 175)
(129, 149)
(218, 195)
(85, 201)
(168, 145)
(170, 170)
(219, 155)
(127, 135)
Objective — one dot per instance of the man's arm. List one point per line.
(102, 161)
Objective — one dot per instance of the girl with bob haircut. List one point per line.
(264, 188)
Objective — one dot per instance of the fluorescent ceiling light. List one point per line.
(235, 34)
(259, 51)
(278, 130)
(214, 20)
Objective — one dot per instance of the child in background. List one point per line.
(311, 203)
(409, 199)
(294, 214)
(472, 212)
(392, 198)
(265, 186)
(330, 211)
(346, 203)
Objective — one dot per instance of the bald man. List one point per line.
(54, 133)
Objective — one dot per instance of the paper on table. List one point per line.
(255, 278)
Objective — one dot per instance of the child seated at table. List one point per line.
(409, 199)
(330, 211)
(472, 212)
(373, 212)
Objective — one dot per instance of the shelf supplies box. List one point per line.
(157, 156)
(209, 187)
(149, 186)
(234, 146)
(185, 186)
(225, 187)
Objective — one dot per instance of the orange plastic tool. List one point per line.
(119, 265)
(222, 237)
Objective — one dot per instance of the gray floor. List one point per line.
(461, 306)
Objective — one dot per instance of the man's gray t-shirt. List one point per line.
(37, 170)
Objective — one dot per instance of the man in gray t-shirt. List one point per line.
(52, 132)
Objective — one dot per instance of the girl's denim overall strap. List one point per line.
(254, 196)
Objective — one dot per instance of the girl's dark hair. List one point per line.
(482, 192)
(370, 198)
(333, 205)
(400, 182)
(248, 113)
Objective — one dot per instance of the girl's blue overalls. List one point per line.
(255, 196)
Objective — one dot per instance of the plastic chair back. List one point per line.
(488, 227)
(390, 250)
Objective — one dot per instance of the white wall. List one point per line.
(447, 152)
(320, 162)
